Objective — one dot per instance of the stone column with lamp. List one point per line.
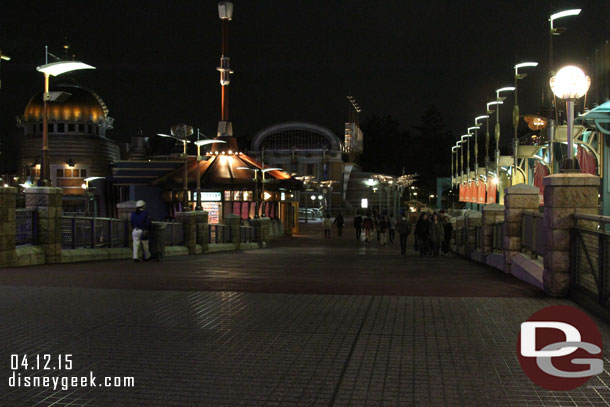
(517, 199)
(47, 202)
(7, 225)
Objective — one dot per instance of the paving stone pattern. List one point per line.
(228, 348)
(308, 322)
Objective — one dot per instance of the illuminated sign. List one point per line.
(209, 196)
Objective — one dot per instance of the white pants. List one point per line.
(136, 234)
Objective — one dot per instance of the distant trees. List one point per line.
(425, 150)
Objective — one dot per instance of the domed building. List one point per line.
(78, 147)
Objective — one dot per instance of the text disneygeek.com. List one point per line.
(63, 362)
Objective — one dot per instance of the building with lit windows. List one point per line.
(78, 144)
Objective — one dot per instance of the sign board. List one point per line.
(208, 196)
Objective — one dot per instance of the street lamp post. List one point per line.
(465, 141)
(453, 161)
(200, 143)
(52, 69)
(476, 141)
(516, 115)
(489, 111)
(556, 31)
(476, 146)
(256, 194)
(3, 57)
(497, 129)
(570, 84)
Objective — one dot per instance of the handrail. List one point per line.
(594, 218)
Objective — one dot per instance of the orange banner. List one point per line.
(481, 192)
(461, 194)
(491, 192)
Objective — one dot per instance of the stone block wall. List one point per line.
(564, 195)
(47, 202)
(517, 199)
(234, 221)
(189, 228)
(492, 214)
(7, 225)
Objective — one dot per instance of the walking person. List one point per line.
(368, 226)
(140, 222)
(339, 221)
(383, 229)
(326, 225)
(448, 229)
(422, 234)
(391, 228)
(437, 234)
(358, 225)
(404, 229)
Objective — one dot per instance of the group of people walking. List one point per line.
(432, 234)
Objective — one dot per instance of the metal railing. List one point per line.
(218, 233)
(80, 231)
(532, 233)
(247, 234)
(26, 232)
(498, 237)
(589, 260)
(172, 233)
(478, 232)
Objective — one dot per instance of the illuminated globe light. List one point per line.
(570, 83)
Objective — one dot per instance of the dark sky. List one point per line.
(294, 60)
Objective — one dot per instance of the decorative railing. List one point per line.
(247, 234)
(91, 232)
(218, 233)
(170, 233)
(532, 233)
(498, 237)
(26, 231)
(590, 257)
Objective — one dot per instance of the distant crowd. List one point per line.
(432, 235)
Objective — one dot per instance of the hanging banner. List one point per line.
(461, 193)
(468, 192)
(491, 192)
(481, 192)
(473, 192)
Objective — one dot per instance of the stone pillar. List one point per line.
(189, 228)
(263, 232)
(492, 214)
(234, 221)
(47, 202)
(7, 225)
(564, 195)
(202, 230)
(459, 235)
(517, 198)
(471, 221)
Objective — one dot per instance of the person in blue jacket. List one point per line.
(140, 222)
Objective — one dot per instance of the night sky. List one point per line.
(294, 60)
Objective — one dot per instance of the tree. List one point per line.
(385, 145)
(431, 149)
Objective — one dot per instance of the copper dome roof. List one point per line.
(82, 105)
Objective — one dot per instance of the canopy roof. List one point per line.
(221, 171)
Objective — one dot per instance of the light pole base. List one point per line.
(570, 165)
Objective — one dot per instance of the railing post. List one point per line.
(110, 229)
(74, 232)
(601, 264)
(34, 215)
(189, 229)
(93, 233)
(125, 233)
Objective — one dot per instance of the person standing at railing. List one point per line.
(448, 229)
(140, 222)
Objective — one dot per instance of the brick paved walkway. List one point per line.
(449, 344)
